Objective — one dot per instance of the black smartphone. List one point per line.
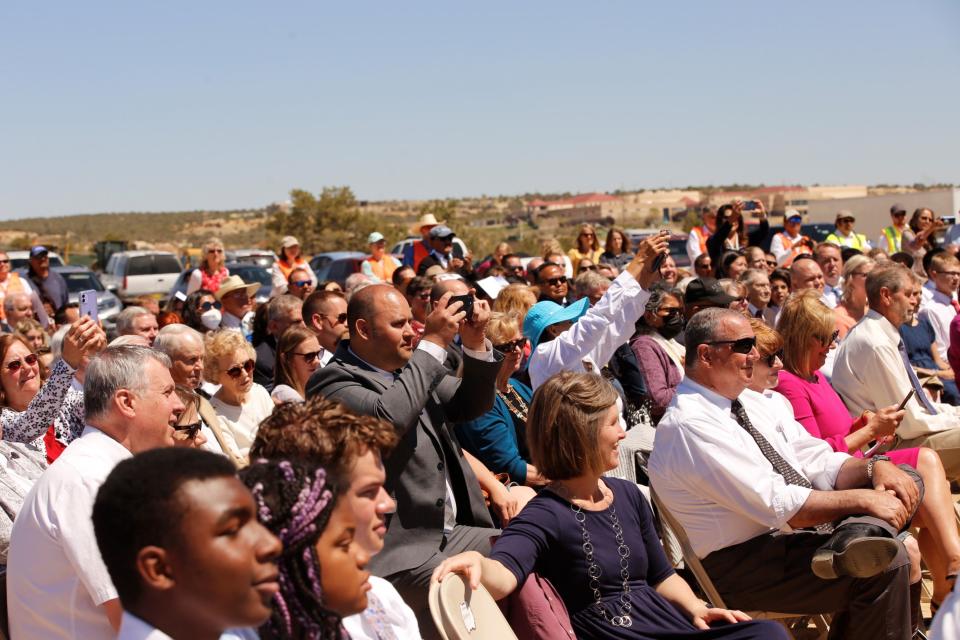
(655, 265)
(905, 400)
(467, 301)
(948, 220)
(749, 205)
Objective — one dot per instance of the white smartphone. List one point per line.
(88, 304)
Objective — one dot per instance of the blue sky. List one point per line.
(188, 105)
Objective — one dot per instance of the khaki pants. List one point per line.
(945, 443)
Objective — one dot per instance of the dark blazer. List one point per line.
(266, 362)
(423, 403)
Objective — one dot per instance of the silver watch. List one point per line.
(872, 461)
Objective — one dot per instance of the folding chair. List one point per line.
(792, 621)
(462, 613)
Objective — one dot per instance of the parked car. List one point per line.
(260, 257)
(249, 273)
(141, 273)
(21, 260)
(677, 243)
(80, 279)
(337, 265)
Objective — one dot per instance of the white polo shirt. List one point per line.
(56, 580)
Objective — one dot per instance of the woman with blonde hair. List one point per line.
(587, 246)
(298, 356)
(586, 525)
(516, 298)
(853, 301)
(32, 331)
(807, 327)
(211, 271)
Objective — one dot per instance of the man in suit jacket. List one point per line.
(440, 508)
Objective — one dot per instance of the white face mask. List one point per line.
(211, 319)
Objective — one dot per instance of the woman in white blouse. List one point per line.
(240, 403)
(298, 356)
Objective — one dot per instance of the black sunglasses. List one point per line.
(555, 281)
(342, 318)
(743, 345)
(301, 283)
(236, 370)
(507, 347)
(771, 263)
(772, 358)
(206, 306)
(310, 356)
(591, 267)
(187, 431)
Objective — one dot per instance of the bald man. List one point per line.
(805, 273)
(377, 371)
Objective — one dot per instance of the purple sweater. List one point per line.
(659, 372)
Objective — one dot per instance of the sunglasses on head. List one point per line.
(301, 283)
(555, 281)
(206, 306)
(185, 432)
(310, 356)
(237, 369)
(507, 347)
(772, 358)
(743, 345)
(14, 365)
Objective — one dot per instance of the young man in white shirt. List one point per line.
(57, 585)
(941, 308)
(743, 477)
(179, 535)
(830, 259)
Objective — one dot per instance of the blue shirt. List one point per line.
(498, 438)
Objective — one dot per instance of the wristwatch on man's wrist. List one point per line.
(872, 461)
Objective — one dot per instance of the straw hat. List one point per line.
(426, 220)
(233, 283)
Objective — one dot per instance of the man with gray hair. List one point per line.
(16, 307)
(137, 321)
(749, 484)
(758, 294)
(58, 587)
(184, 346)
(872, 370)
(590, 285)
(283, 312)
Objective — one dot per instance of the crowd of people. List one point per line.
(309, 466)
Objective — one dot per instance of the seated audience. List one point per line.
(939, 309)
(703, 266)
(515, 298)
(872, 370)
(16, 307)
(659, 355)
(755, 258)
(579, 338)
(236, 299)
(830, 259)
(552, 283)
(498, 438)
(163, 564)
(704, 293)
(298, 356)
(853, 300)
(402, 277)
(201, 311)
(211, 271)
(418, 299)
(805, 326)
(32, 331)
(299, 284)
(322, 575)
(137, 321)
(758, 292)
(352, 448)
(737, 291)
(495, 259)
(57, 585)
(325, 313)
(779, 290)
(936, 375)
(378, 372)
(805, 273)
(240, 403)
(732, 265)
(513, 269)
(283, 312)
(585, 525)
(741, 477)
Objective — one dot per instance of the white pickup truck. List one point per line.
(141, 273)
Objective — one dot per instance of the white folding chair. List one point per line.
(462, 613)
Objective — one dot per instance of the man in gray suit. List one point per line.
(440, 509)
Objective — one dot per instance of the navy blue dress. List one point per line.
(546, 537)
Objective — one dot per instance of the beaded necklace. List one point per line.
(509, 398)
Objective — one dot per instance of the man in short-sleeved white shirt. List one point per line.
(57, 585)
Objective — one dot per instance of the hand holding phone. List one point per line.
(658, 261)
(88, 304)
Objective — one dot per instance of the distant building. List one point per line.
(591, 207)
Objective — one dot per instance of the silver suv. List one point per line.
(139, 273)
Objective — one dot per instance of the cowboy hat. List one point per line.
(426, 220)
(233, 283)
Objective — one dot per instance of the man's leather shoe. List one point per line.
(856, 550)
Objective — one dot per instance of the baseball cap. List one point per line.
(376, 236)
(845, 214)
(289, 241)
(897, 208)
(706, 290)
(543, 314)
(38, 251)
(441, 231)
(792, 215)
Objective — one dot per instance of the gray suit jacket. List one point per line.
(423, 403)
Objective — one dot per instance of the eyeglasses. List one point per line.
(555, 281)
(671, 312)
(301, 283)
(772, 358)
(846, 220)
(743, 345)
(206, 306)
(236, 370)
(342, 318)
(949, 273)
(7, 261)
(14, 365)
(771, 263)
(739, 300)
(516, 267)
(513, 345)
(214, 250)
(591, 267)
(900, 214)
(833, 338)
(309, 357)
(184, 432)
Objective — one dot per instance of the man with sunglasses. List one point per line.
(552, 284)
(299, 284)
(891, 237)
(872, 369)
(443, 251)
(513, 266)
(325, 313)
(753, 491)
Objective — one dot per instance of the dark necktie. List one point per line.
(781, 466)
(915, 381)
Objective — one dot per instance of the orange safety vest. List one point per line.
(383, 269)
(287, 269)
(13, 284)
(703, 234)
(795, 251)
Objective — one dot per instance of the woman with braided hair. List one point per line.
(322, 576)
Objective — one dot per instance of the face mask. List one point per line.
(211, 319)
(672, 327)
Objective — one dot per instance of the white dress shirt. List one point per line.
(56, 580)
(711, 474)
(831, 294)
(589, 344)
(869, 374)
(940, 312)
(134, 628)
(393, 613)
